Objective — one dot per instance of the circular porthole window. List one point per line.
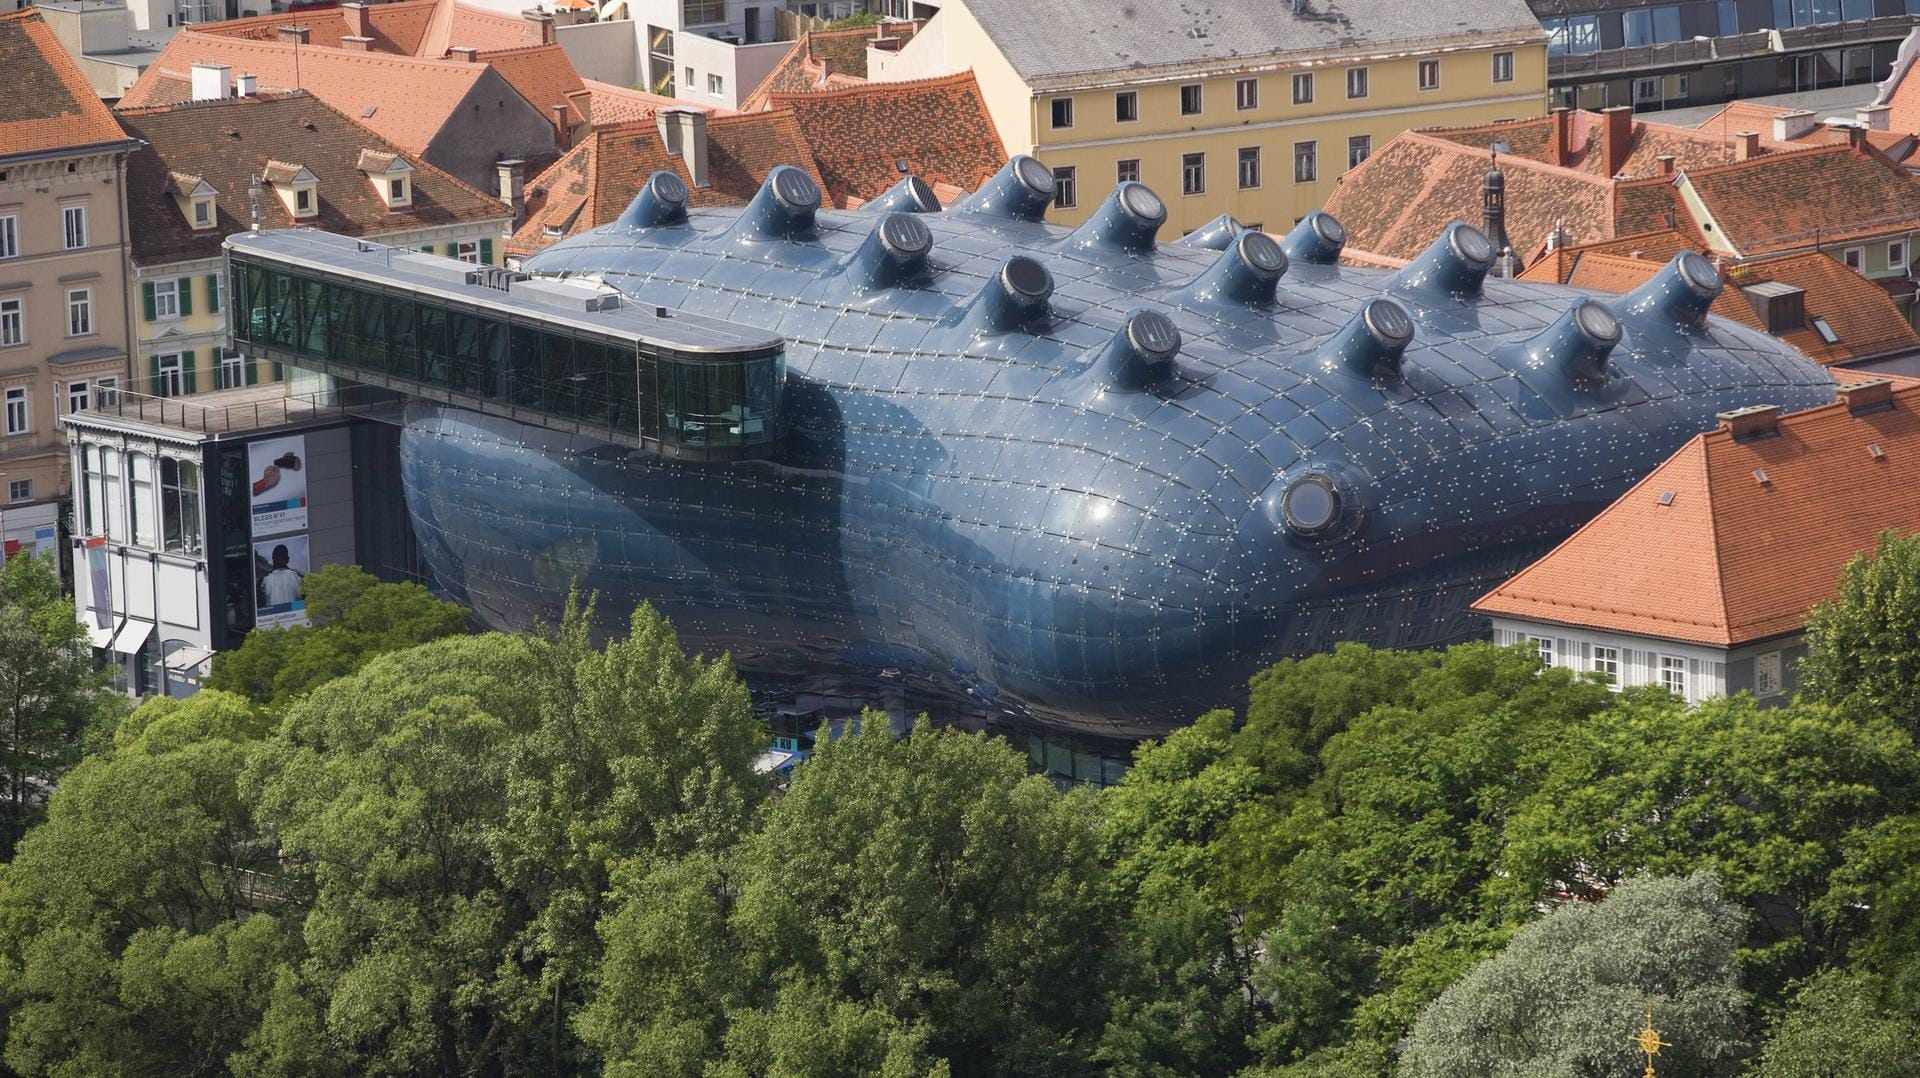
(1310, 505)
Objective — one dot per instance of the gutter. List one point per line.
(117, 146)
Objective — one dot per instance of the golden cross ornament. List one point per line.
(1648, 1041)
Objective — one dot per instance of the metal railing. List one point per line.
(221, 417)
(1701, 50)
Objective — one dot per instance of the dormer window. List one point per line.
(203, 213)
(391, 176)
(299, 189)
(302, 201)
(396, 190)
(195, 198)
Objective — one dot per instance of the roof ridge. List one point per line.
(1795, 152)
(955, 79)
(1527, 163)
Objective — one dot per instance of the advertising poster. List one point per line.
(277, 470)
(100, 584)
(279, 568)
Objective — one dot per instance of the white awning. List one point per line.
(131, 635)
(187, 658)
(96, 636)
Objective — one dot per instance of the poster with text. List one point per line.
(279, 568)
(277, 472)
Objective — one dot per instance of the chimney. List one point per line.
(513, 182)
(464, 52)
(357, 44)
(563, 119)
(295, 34)
(1791, 125)
(356, 17)
(1558, 150)
(1875, 117)
(246, 85)
(1616, 139)
(1857, 136)
(539, 26)
(1752, 422)
(684, 133)
(1746, 146)
(211, 82)
(1873, 395)
(1665, 161)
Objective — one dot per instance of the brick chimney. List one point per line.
(1791, 125)
(295, 34)
(1857, 136)
(539, 26)
(1665, 161)
(1746, 145)
(1616, 139)
(684, 133)
(1875, 117)
(1751, 422)
(513, 184)
(356, 43)
(356, 18)
(211, 82)
(1869, 396)
(1557, 148)
(464, 52)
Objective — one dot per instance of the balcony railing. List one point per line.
(1702, 50)
(240, 410)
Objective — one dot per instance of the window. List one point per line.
(1855, 258)
(1063, 112)
(1673, 675)
(1193, 173)
(1646, 91)
(302, 200)
(1126, 107)
(1543, 645)
(397, 190)
(1503, 67)
(96, 492)
(700, 12)
(1303, 88)
(140, 506)
(1249, 167)
(1356, 82)
(19, 490)
(1246, 94)
(1729, 17)
(13, 327)
(9, 236)
(690, 80)
(1429, 74)
(1129, 171)
(106, 392)
(716, 86)
(180, 506)
(79, 312)
(17, 418)
(1190, 99)
(1652, 26)
(166, 382)
(1897, 255)
(1766, 675)
(1606, 663)
(1066, 191)
(202, 213)
(1579, 34)
(166, 299)
(230, 368)
(77, 396)
(1306, 166)
(75, 219)
(1359, 148)
(468, 251)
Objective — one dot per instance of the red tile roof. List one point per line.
(939, 127)
(604, 104)
(421, 28)
(225, 142)
(590, 184)
(47, 103)
(543, 75)
(1729, 558)
(1826, 194)
(827, 60)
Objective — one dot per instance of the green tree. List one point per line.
(49, 690)
(1861, 644)
(1839, 1026)
(354, 616)
(120, 948)
(1564, 996)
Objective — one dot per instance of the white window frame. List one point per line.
(230, 368)
(1132, 99)
(1606, 661)
(1199, 99)
(1543, 646)
(18, 406)
(1127, 169)
(1425, 67)
(1358, 78)
(106, 391)
(13, 322)
(1362, 143)
(716, 85)
(170, 375)
(19, 490)
(1303, 88)
(1897, 262)
(79, 396)
(1193, 174)
(73, 221)
(1672, 673)
(1060, 113)
(1240, 161)
(203, 206)
(1769, 675)
(1246, 94)
(1312, 157)
(468, 251)
(166, 299)
(9, 235)
(79, 312)
(1855, 259)
(1503, 67)
(1066, 187)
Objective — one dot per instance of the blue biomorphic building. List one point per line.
(1082, 477)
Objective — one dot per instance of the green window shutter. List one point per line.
(486, 252)
(186, 372)
(427, 247)
(153, 368)
(252, 367)
(213, 293)
(185, 287)
(146, 300)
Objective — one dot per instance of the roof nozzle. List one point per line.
(1128, 220)
(784, 206)
(1015, 298)
(894, 253)
(1681, 292)
(911, 195)
(1316, 240)
(1456, 263)
(1021, 191)
(1247, 271)
(1371, 344)
(1214, 235)
(662, 200)
(1140, 355)
(1578, 342)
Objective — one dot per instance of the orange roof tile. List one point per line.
(422, 28)
(1826, 194)
(827, 60)
(48, 104)
(605, 104)
(542, 74)
(940, 127)
(1704, 551)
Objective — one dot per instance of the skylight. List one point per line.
(1825, 331)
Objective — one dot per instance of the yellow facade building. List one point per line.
(1254, 109)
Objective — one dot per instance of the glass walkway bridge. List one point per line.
(569, 356)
